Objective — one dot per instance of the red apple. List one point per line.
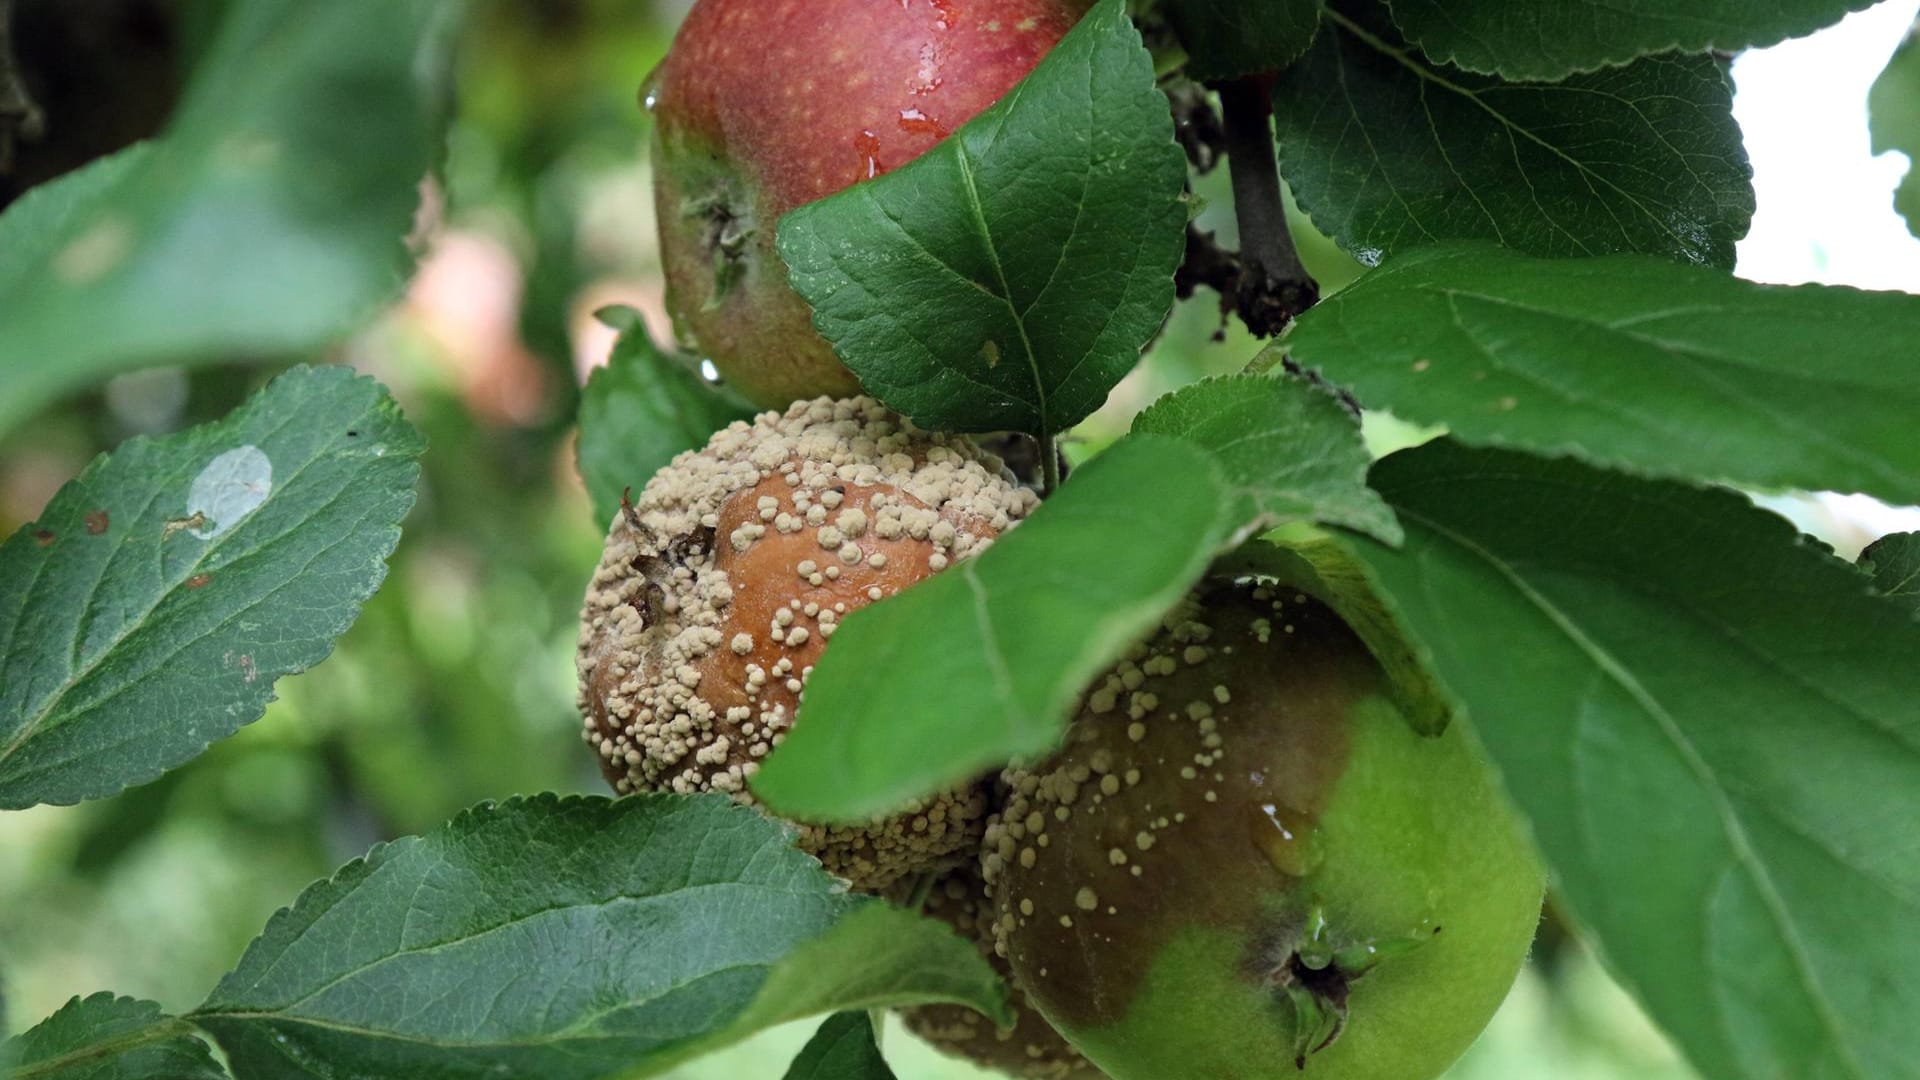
(763, 105)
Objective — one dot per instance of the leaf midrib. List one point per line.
(978, 211)
(434, 947)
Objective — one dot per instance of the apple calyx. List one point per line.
(726, 227)
(1315, 974)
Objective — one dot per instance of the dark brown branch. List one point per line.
(1273, 284)
(1207, 263)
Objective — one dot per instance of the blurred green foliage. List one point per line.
(456, 684)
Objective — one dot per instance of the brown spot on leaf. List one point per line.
(198, 520)
(198, 580)
(97, 521)
(43, 537)
(244, 661)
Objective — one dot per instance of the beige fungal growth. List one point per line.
(1031, 1048)
(1174, 772)
(722, 584)
(1263, 893)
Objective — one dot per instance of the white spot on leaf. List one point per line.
(94, 253)
(232, 486)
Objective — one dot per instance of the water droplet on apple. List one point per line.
(650, 91)
(709, 372)
(1287, 837)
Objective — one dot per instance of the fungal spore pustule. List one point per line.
(722, 583)
(1245, 863)
(1030, 1049)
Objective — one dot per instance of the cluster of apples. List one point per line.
(1243, 862)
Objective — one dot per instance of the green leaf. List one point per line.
(1894, 563)
(843, 1049)
(640, 410)
(1327, 569)
(1893, 114)
(1289, 449)
(876, 955)
(267, 220)
(1004, 643)
(1230, 38)
(572, 938)
(32, 225)
(151, 608)
(104, 1037)
(1008, 278)
(1386, 151)
(1551, 39)
(1635, 362)
(1714, 726)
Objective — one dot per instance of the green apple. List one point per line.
(1246, 864)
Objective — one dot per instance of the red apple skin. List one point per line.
(764, 105)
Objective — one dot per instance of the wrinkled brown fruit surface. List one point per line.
(721, 585)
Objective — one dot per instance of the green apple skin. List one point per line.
(764, 105)
(1245, 864)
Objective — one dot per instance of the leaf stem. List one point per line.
(1273, 285)
(1049, 465)
(922, 888)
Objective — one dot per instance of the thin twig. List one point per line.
(1196, 126)
(1207, 263)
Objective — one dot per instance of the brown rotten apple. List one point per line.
(763, 105)
(721, 585)
(1245, 864)
(1030, 1049)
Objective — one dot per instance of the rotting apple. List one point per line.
(1030, 1048)
(764, 105)
(719, 588)
(1246, 864)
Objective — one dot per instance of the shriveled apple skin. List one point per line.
(1182, 852)
(763, 105)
